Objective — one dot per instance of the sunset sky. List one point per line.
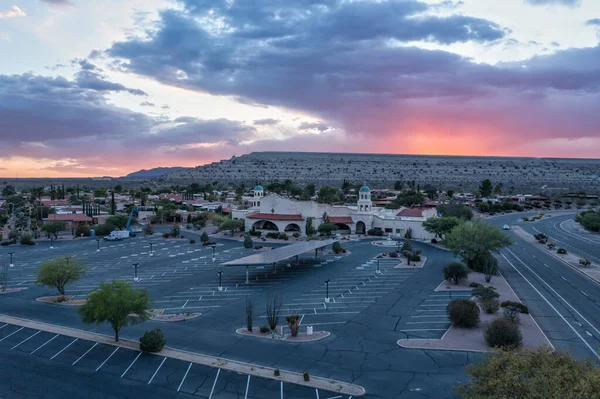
(93, 88)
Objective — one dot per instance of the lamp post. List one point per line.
(98, 246)
(135, 267)
(151, 252)
(213, 253)
(220, 273)
(11, 259)
(51, 245)
(327, 291)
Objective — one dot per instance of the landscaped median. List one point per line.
(211, 361)
(472, 339)
(584, 266)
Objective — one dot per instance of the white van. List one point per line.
(117, 235)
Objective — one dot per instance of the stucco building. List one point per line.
(273, 213)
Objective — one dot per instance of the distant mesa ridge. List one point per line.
(152, 173)
(379, 170)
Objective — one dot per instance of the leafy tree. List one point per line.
(329, 195)
(59, 272)
(590, 220)
(204, 237)
(459, 211)
(455, 271)
(430, 191)
(450, 193)
(327, 229)
(475, 240)
(8, 190)
(100, 192)
(441, 226)
(232, 225)
(485, 188)
(310, 230)
(248, 242)
(53, 227)
(498, 189)
(409, 198)
(116, 303)
(118, 188)
(534, 374)
(398, 185)
(310, 190)
(119, 221)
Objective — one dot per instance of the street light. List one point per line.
(135, 277)
(11, 260)
(98, 247)
(220, 273)
(327, 291)
(151, 252)
(51, 246)
(378, 271)
(213, 253)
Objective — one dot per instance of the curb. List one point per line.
(211, 361)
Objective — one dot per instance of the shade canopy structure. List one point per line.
(279, 254)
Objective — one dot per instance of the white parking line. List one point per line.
(107, 358)
(184, 377)
(11, 334)
(425, 329)
(81, 357)
(134, 360)
(214, 384)
(44, 344)
(3, 326)
(59, 352)
(156, 372)
(25, 340)
(247, 387)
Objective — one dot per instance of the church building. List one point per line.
(273, 213)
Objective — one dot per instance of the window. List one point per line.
(388, 230)
(398, 231)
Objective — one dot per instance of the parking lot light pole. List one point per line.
(378, 271)
(135, 267)
(98, 247)
(327, 291)
(51, 246)
(247, 280)
(220, 272)
(11, 260)
(151, 252)
(213, 253)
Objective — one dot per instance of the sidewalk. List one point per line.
(210, 361)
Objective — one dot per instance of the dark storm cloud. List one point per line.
(570, 3)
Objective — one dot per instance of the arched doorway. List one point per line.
(265, 225)
(343, 228)
(361, 228)
(292, 227)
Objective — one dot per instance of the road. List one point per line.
(565, 303)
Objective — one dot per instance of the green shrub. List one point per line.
(296, 234)
(415, 258)
(434, 241)
(103, 229)
(248, 244)
(192, 241)
(166, 235)
(561, 251)
(152, 341)
(82, 229)
(455, 271)
(27, 240)
(484, 293)
(585, 262)
(490, 306)
(502, 333)
(276, 373)
(522, 308)
(272, 235)
(264, 329)
(306, 376)
(463, 313)
(283, 236)
(393, 254)
(337, 247)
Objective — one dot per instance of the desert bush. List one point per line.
(296, 234)
(152, 341)
(283, 236)
(463, 313)
(82, 229)
(306, 376)
(393, 254)
(585, 262)
(490, 306)
(551, 245)
(264, 329)
(27, 240)
(502, 333)
(415, 258)
(274, 304)
(434, 241)
(192, 241)
(522, 308)
(293, 323)
(561, 251)
(248, 244)
(272, 235)
(337, 247)
(484, 293)
(276, 373)
(166, 235)
(455, 271)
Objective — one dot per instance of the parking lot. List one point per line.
(156, 370)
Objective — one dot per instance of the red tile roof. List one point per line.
(340, 219)
(273, 216)
(411, 212)
(74, 217)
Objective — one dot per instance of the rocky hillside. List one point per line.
(524, 174)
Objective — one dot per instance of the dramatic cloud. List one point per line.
(569, 3)
(320, 126)
(14, 12)
(266, 122)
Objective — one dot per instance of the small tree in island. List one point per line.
(59, 272)
(116, 303)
